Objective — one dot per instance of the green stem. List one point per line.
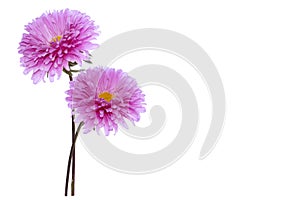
(72, 151)
(73, 158)
(68, 73)
(73, 141)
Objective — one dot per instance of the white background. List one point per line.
(255, 46)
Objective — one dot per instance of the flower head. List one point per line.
(55, 39)
(104, 97)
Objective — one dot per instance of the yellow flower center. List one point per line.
(106, 96)
(56, 39)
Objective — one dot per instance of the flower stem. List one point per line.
(73, 142)
(72, 151)
(69, 73)
(73, 158)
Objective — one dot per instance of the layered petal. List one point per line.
(55, 39)
(104, 98)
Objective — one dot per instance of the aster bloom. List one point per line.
(104, 97)
(54, 40)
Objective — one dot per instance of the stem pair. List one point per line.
(74, 138)
(71, 158)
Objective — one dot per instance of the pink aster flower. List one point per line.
(104, 97)
(55, 39)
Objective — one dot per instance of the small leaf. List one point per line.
(71, 64)
(88, 61)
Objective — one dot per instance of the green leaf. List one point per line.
(88, 61)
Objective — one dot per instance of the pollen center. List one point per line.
(56, 39)
(106, 96)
